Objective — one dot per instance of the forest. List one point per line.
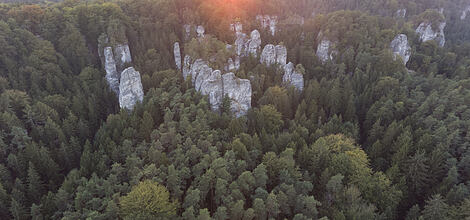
(368, 137)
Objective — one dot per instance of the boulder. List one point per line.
(239, 92)
(400, 47)
(177, 54)
(426, 33)
(324, 51)
(130, 88)
(112, 76)
(292, 77)
(122, 56)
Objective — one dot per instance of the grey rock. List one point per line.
(212, 86)
(230, 65)
(200, 31)
(324, 52)
(400, 47)
(239, 92)
(237, 63)
(426, 33)
(186, 66)
(237, 27)
(122, 56)
(187, 31)
(177, 54)
(240, 42)
(464, 13)
(274, 55)
(268, 56)
(254, 43)
(130, 88)
(112, 76)
(281, 54)
(292, 77)
(267, 21)
(401, 13)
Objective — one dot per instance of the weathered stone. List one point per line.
(240, 42)
(130, 88)
(112, 76)
(122, 56)
(268, 56)
(267, 21)
(292, 77)
(239, 92)
(186, 66)
(427, 33)
(237, 27)
(324, 51)
(400, 47)
(187, 31)
(212, 86)
(200, 31)
(198, 67)
(177, 54)
(464, 13)
(281, 55)
(254, 44)
(230, 65)
(237, 63)
(401, 13)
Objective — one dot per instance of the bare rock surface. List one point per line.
(177, 55)
(112, 76)
(122, 56)
(130, 87)
(400, 47)
(426, 33)
(292, 77)
(239, 92)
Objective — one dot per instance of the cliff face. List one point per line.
(239, 92)
(130, 88)
(274, 55)
(122, 56)
(400, 47)
(464, 13)
(267, 21)
(112, 76)
(426, 33)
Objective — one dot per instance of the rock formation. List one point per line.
(122, 56)
(401, 13)
(292, 77)
(324, 52)
(215, 85)
(274, 54)
(254, 44)
(187, 31)
(267, 21)
(426, 33)
(130, 88)
(400, 47)
(464, 13)
(239, 92)
(112, 76)
(200, 31)
(237, 27)
(177, 54)
(186, 66)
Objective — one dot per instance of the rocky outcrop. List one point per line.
(122, 56)
(267, 21)
(254, 43)
(401, 13)
(237, 27)
(240, 43)
(112, 76)
(464, 13)
(268, 56)
(274, 55)
(186, 66)
(215, 85)
(200, 31)
(401, 47)
(426, 33)
(177, 55)
(130, 88)
(324, 51)
(239, 92)
(292, 77)
(187, 31)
